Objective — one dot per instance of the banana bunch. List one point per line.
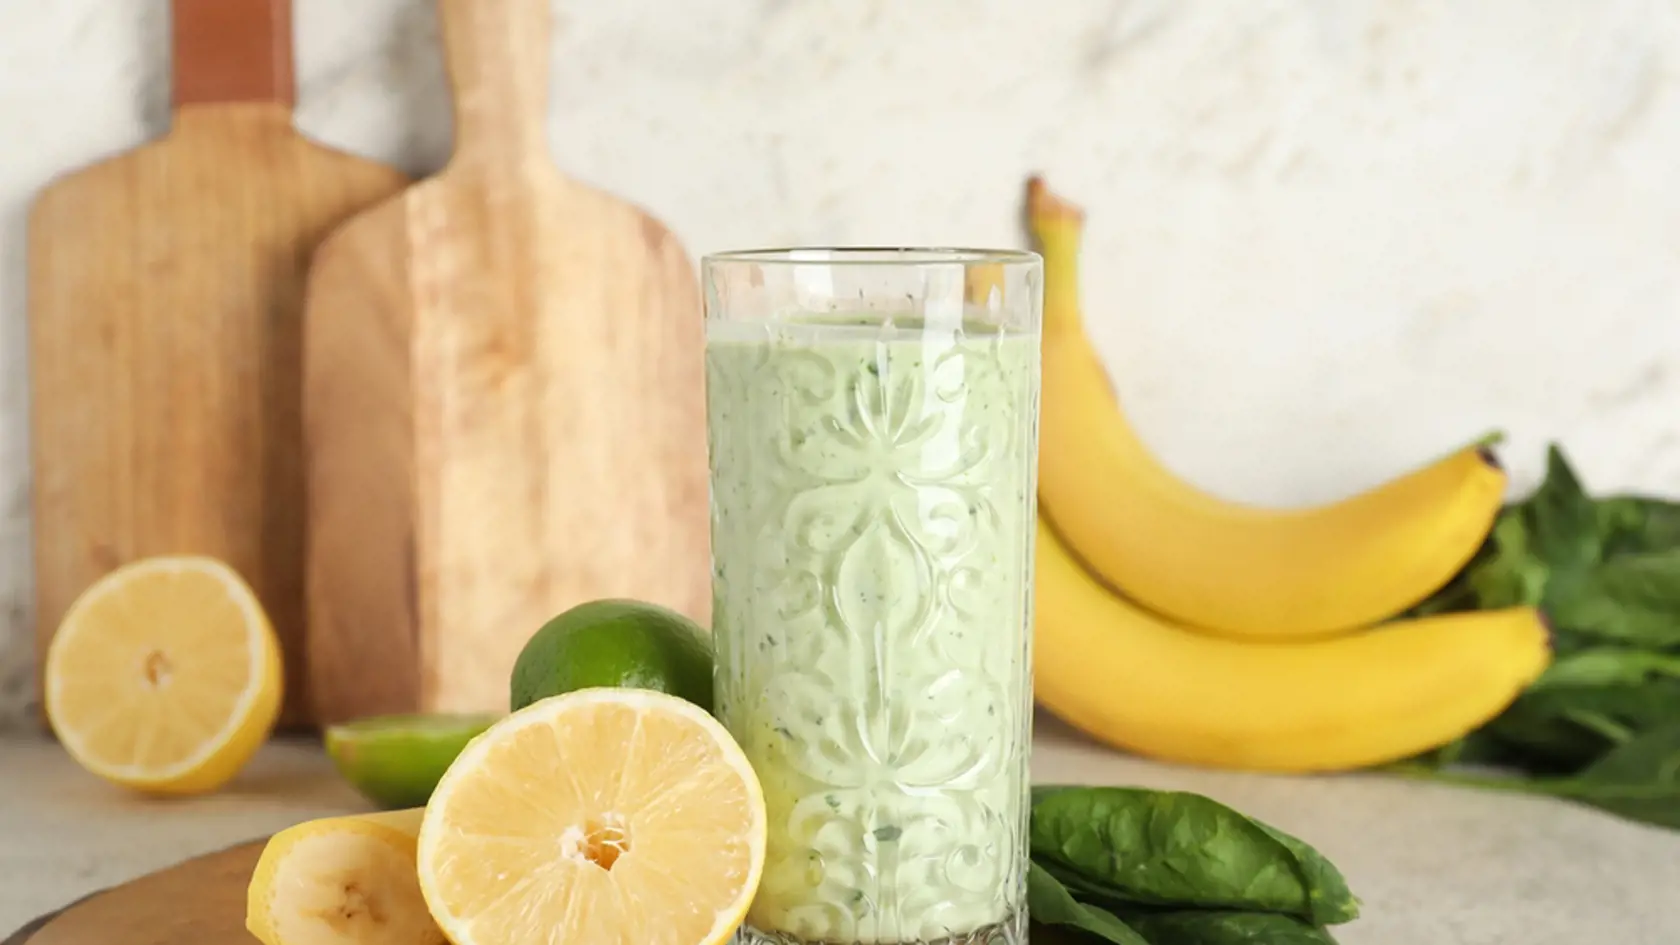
(1181, 626)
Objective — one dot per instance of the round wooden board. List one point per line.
(198, 902)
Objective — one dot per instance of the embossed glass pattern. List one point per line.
(873, 420)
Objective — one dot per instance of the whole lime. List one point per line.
(625, 644)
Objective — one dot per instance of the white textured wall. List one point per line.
(1328, 238)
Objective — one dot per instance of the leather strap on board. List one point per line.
(233, 51)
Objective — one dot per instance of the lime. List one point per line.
(624, 644)
(396, 760)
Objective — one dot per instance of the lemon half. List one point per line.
(164, 675)
(600, 816)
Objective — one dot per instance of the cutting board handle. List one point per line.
(496, 52)
(233, 51)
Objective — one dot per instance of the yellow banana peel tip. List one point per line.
(1045, 207)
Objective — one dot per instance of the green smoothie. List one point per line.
(872, 524)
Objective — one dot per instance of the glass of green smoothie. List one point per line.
(873, 425)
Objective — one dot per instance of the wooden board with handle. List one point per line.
(503, 400)
(165, 301)
(198, 902)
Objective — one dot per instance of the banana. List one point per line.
(341, 879)
(1139, 683)
(1231, 569)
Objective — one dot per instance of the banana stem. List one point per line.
(1057, 225)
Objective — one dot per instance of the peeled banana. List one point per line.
(341, 879)
(1228, 568)
(1133, 680)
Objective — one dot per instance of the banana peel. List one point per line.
(1231, 569)
(1140, 683)
(341, 879)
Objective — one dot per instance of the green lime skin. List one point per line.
(625, 644)
(396, 761)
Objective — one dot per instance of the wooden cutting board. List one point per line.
(165, 309)
(503, 400)
(198, 902)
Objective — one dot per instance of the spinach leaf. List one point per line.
(1178, 849)
(1634, 598)
(1609, 666)
(1331, 899)
(1563, 726)
(1562, 523)
(1612, 730)
(1228, 928)
(1474, 748)
(1169, 925)
(1567, 643)
(1049, 902)
(1090, 891)
(1557, 530)
(1042, 791)
(1599, 726)
(1558, 527)
(1639, 779)
(1512, 574)
(1554, 528)
(1587, 702)
(1633, 524)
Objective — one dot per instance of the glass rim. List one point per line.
(874, 256)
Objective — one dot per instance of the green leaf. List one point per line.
(1556, 528)
(1228, 928)
(1633, 599)
(1586, 703)
(1512, 574)
(1179, 849)
(1634, 524)
(1088, 890)
(1603, 725)
(1562, 726)
(1639, 779)
(1474, 748)
(1567, 643)
(1042, 791)
(1332, 900)
(1609, 666)
(1562, 521)
(1168, 925)
(1607, 574)
(1049, 902)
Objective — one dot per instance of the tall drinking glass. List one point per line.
(873, 423)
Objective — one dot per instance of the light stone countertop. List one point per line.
(1435, 865)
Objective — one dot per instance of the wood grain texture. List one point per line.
(198, 902)
(503, 400)
(232, 51)
(165, 300)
